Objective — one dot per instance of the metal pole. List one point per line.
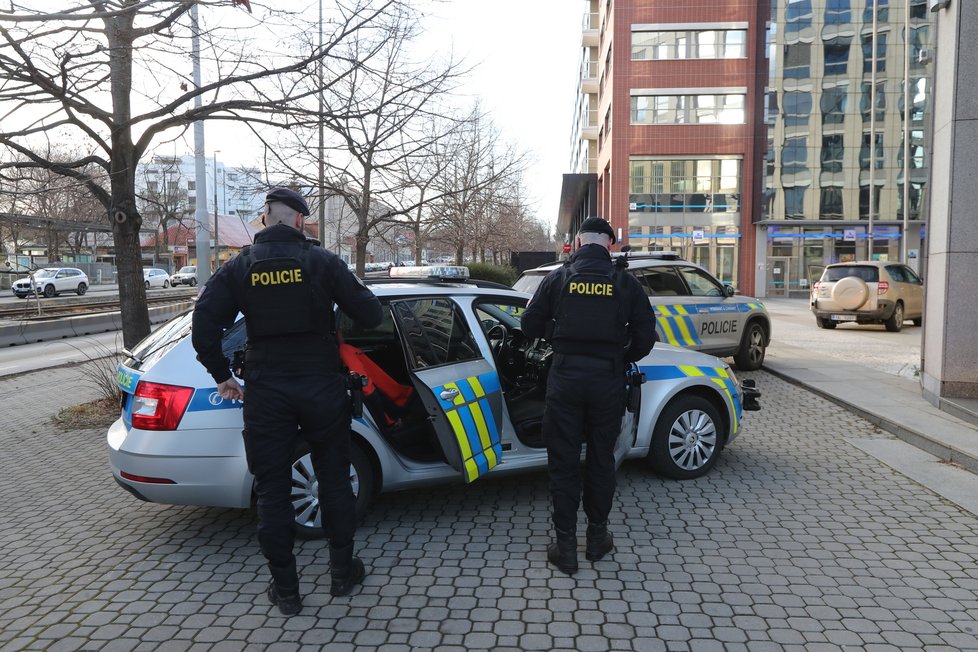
(217, 242)
(872, 137)
(203, 232)
(322, 165)
(907, 117)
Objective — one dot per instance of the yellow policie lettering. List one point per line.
(277, 277)
(601, 289)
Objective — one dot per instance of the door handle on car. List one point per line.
(448, 394)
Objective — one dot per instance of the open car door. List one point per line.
(459, 387)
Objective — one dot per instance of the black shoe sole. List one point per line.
(563, 568)
(357, 573)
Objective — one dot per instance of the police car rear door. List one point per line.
(676, 321)
(459, 387)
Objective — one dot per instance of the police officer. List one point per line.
(286, 286)
(597, 318)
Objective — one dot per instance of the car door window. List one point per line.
(662, 282)
(896, 273)
(700, 283)
(435, 332)
(912, 276)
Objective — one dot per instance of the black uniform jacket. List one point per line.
(595, 258)
(217, 307)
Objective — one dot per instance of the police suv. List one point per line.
(692, 308)
(451, 391)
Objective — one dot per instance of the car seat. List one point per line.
(386, 398)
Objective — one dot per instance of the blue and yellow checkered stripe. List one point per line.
(675, 326)
(718, 375)
(470, 416)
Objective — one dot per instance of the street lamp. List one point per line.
(217, 244)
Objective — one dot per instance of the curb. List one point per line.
(27, 332)
(912, 436)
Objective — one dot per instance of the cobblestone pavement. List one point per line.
(797, 540)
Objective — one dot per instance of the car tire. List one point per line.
(166, 284)
(688, 424)
(895, 323)
(827, 324)
(750, 355)
(308, 519)
(49, 291)
(850, 293)
(193, 282)
(147, 285)
(81, 289)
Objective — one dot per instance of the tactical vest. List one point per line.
(280, 297)
(590, 313)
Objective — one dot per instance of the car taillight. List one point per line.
(815, 287)
(882, 287)
(159, 407)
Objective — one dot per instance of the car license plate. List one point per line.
(843, 318)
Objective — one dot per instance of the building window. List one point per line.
(864, 152)
(797, 16)
(830, 204)
(880, 52)
(191, 185)
(833, 152)
(833, 104)
(687, 109)
(882, 11)
(797, 108)
(837, 55)
(837, 12)
(867, 98)
(794, 155)
(794, 202)
(797, 60)
(689, 44)
(152, 186)
(678, 186)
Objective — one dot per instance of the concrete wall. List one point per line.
(950, 339)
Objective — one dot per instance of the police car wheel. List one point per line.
(750, 355)
(305, 490)
(687, 438)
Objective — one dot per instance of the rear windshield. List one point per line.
(867, 273)
(160, 341)
(529, 283)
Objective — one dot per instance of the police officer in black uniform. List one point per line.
(285, 286)
(597, 318)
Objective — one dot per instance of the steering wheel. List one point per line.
(497, 336)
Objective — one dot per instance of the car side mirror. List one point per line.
(729, 290)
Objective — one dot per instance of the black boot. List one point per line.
(599, 541)
(563, 553)
(283, 590)
(345, 570)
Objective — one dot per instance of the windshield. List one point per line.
(529, 283)
(45, 273)
(187, 270)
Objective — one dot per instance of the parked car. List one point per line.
(156, 278)
(465, 397)
(51, 282)
(186, 275)
(693, 309)
(868, 292)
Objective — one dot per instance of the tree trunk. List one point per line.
(362, 241)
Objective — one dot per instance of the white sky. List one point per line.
(527, 54)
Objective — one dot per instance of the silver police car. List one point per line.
(692, 308)
(455, 392)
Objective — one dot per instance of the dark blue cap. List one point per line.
(290, 198)
(597, 225)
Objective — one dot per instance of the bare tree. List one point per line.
(112, 75)
(379, 121)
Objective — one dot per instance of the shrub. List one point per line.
(503, 274)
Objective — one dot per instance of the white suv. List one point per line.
(692, 308)
(52, 281)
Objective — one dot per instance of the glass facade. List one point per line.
(687, 109)
(690, 206)
(658, 45)
(832, 133)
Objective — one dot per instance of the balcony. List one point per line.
(589, 77)
(589, 125)
(591, 33)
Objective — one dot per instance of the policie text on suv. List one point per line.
(692, 308)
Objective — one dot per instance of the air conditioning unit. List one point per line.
(926, 55)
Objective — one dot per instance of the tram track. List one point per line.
(61, 309)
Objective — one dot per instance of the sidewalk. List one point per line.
(894, 403)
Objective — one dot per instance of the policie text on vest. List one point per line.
(276, 277)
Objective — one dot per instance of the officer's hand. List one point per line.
(230, 390)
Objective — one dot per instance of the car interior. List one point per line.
(431, 340)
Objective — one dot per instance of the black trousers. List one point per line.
(279, 408)
(585, 403)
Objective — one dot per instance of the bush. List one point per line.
(503, 274)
